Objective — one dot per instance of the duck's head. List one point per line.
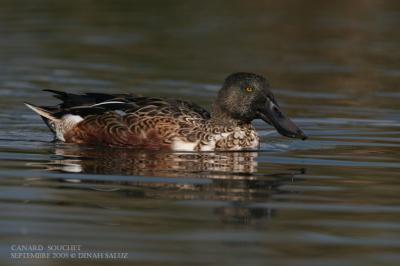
(246, 96)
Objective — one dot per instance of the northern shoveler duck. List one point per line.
(127, 120)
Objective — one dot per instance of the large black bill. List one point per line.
(273, 115)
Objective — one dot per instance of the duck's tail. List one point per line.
(58, 123)
(50, 120)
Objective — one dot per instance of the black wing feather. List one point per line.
(72, 100)
(98, 103)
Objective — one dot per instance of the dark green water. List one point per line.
(331, 200)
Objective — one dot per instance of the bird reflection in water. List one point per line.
(232, 177)
(114, 161)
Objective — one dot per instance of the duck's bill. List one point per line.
(272, 114)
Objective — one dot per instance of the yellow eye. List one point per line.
(249, 89)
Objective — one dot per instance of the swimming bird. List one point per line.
(129, 120)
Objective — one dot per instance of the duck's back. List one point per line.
(124, 120)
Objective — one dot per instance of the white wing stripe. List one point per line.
(104, 103)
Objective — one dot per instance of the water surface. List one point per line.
(330, 200)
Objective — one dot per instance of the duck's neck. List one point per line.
(220, 117)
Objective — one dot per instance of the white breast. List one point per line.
(179, 145)
(238, 133)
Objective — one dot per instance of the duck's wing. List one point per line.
(168, 107)
(119, 119)
(98, 103)
(73, 100)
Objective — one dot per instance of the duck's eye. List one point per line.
(249, 89)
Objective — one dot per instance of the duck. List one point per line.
(133, 121)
